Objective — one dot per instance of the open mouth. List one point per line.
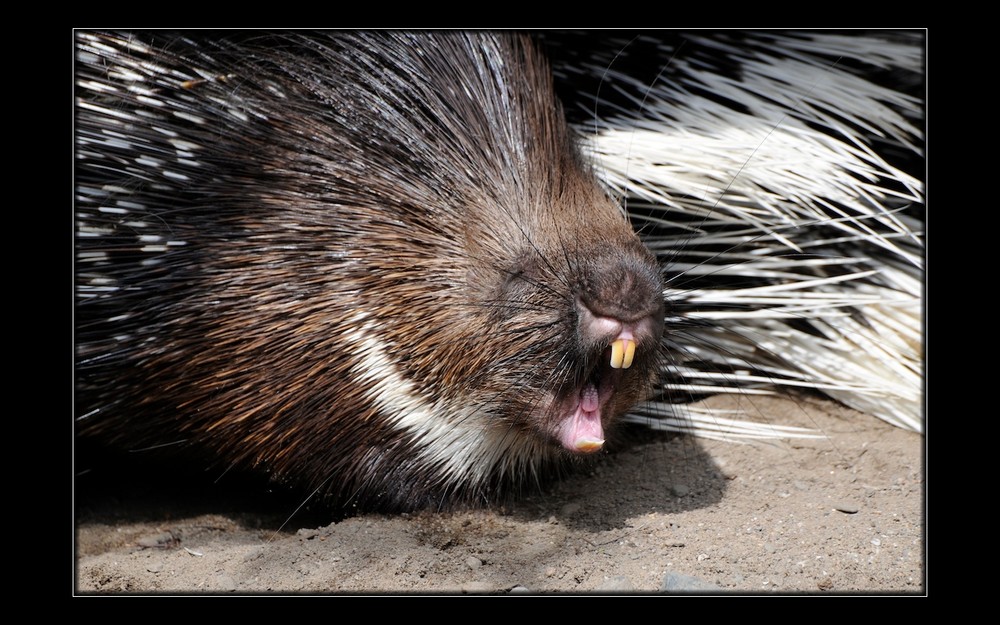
(580, 429)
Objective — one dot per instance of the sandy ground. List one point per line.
(843, 514)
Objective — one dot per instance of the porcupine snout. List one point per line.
(621, 299)
(619, 306)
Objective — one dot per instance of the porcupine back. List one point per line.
(370, 264)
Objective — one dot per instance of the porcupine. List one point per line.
(369, 263)
(187, 110)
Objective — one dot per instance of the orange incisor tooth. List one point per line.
(588, 445)
(622, 353)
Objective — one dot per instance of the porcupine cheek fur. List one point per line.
(369, 300)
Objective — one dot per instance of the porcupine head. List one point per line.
(412, 290)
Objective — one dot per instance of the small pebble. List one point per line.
(519, 590)
(473, 562)
(225, 582)
(680, 490)
(846, 508)
(618, 583)
(154, 567)
(476, 587)
(570, 509)
(676, 582)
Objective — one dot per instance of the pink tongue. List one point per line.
(582, 432)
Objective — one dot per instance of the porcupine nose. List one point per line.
(620, 303)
